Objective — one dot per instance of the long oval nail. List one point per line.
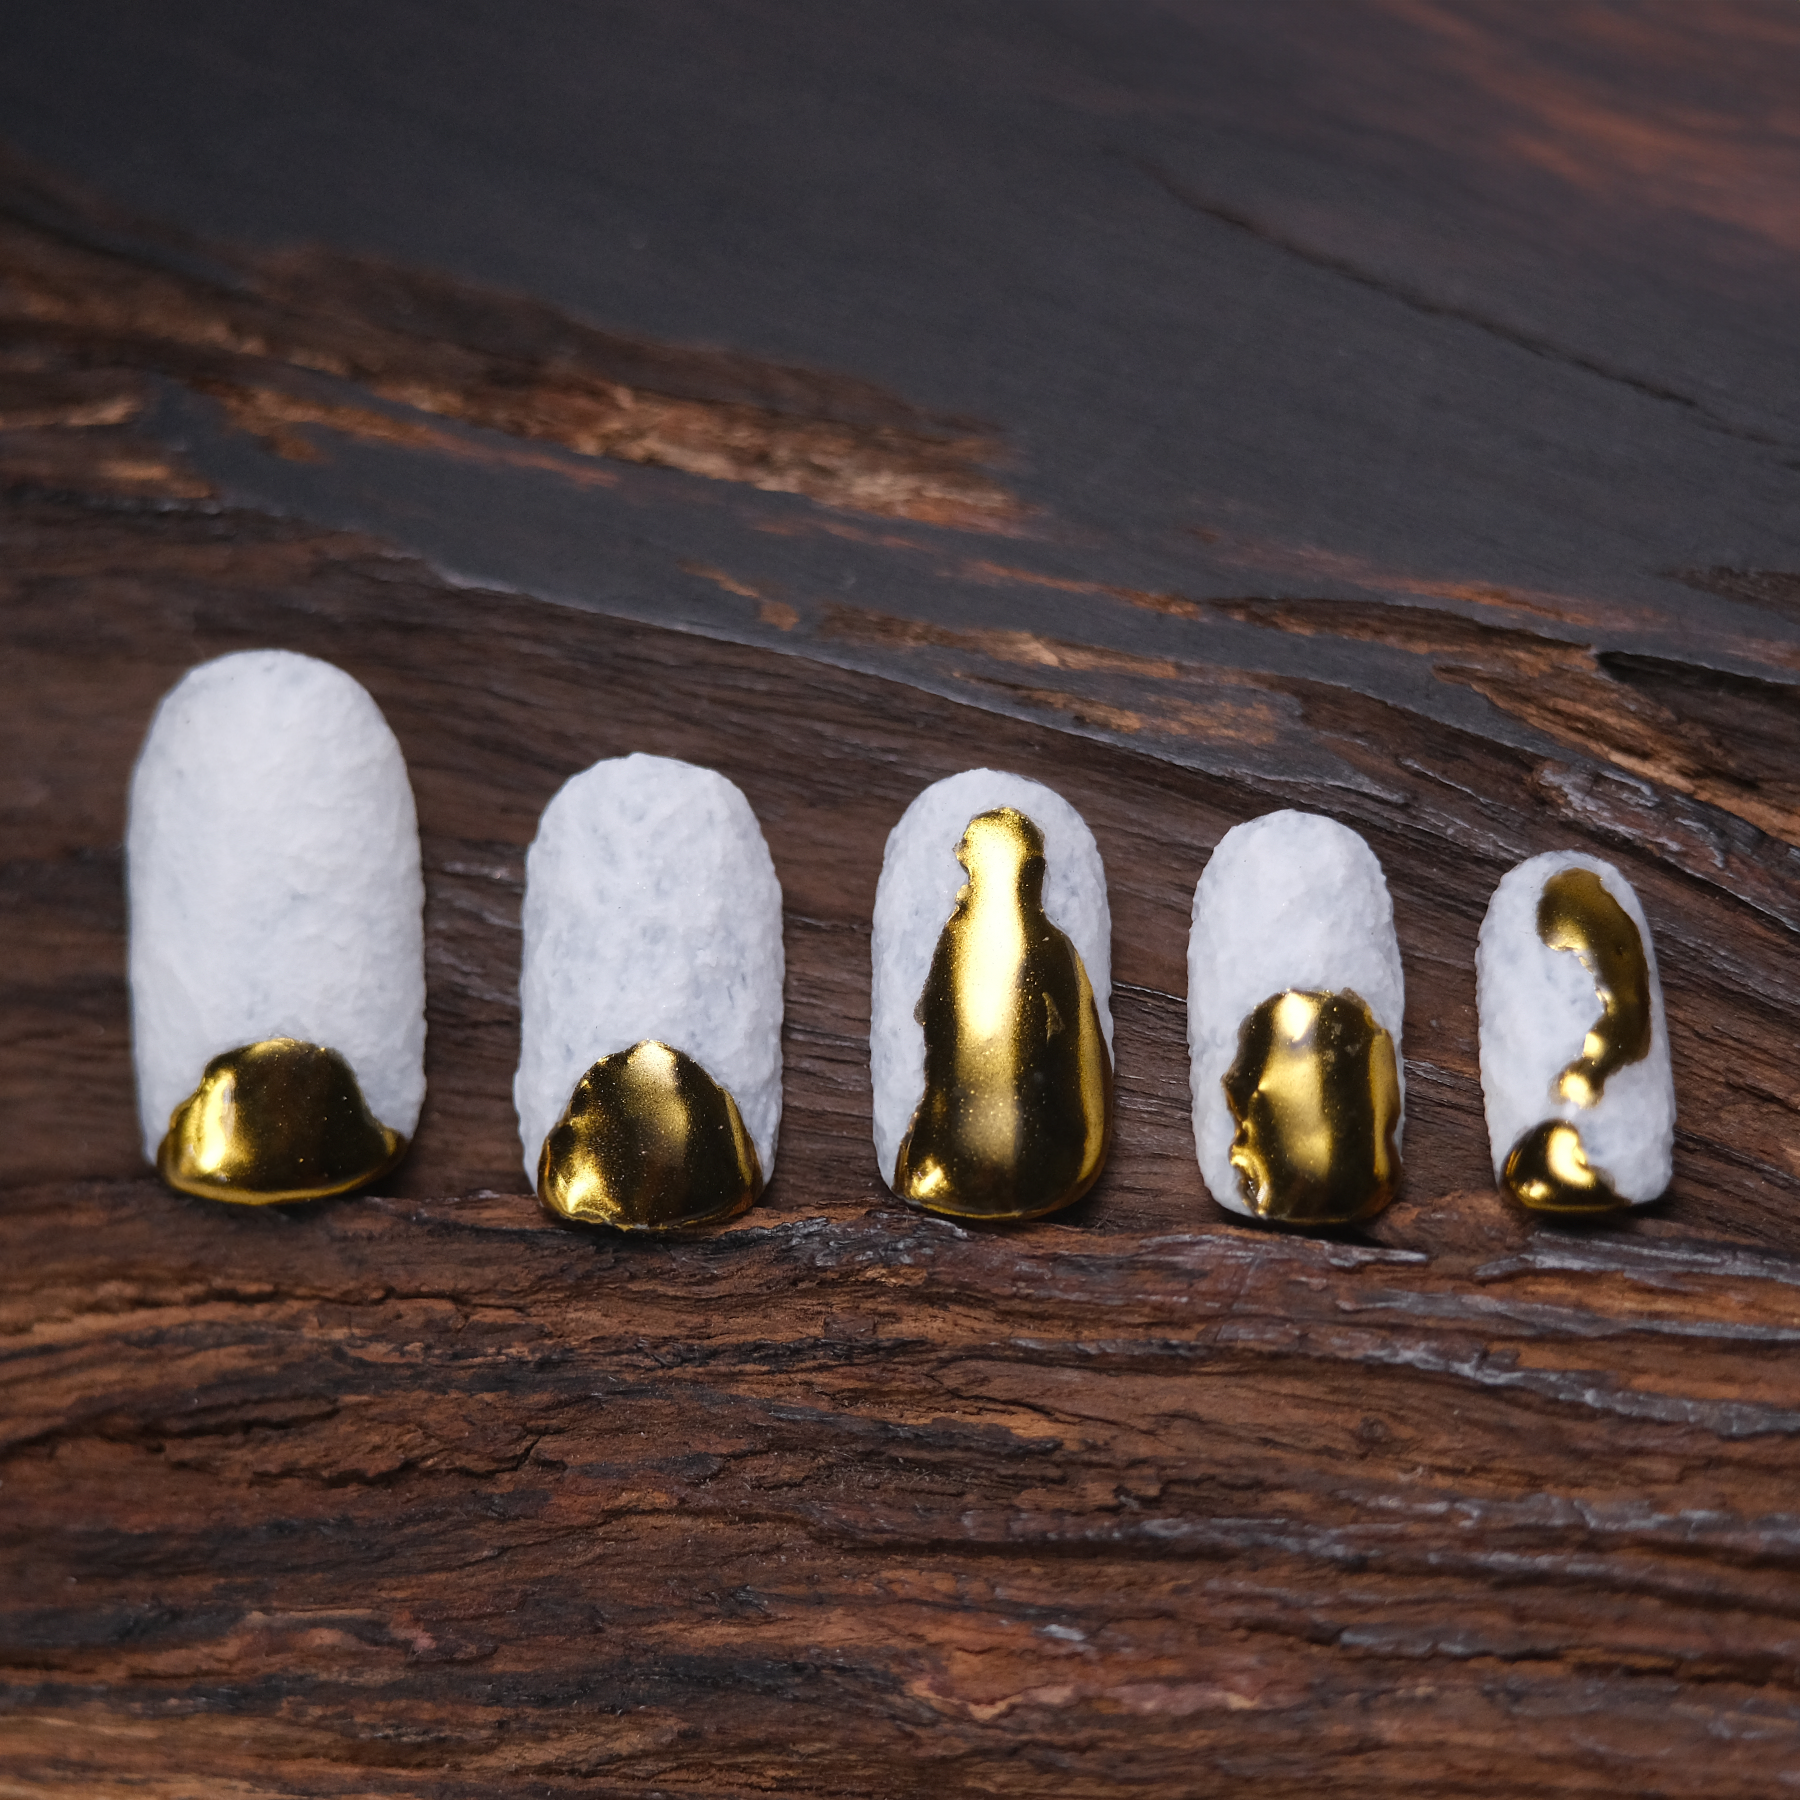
(277, 947)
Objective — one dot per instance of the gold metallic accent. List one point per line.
(278, 1120)
(649, 1142)
(1017, 1114)
(1315, 1092)
(1548, 1170)
(1576, 913)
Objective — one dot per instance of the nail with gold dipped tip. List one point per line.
(1295, 1003)
(649, 1081)
(1315, 1092)
(990, 1036)
(1575, 1069)
(279, 1120)
(649, 1142)
(277, 944)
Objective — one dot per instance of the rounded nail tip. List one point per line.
(649, 1143)
(200, 1188)
(1570, 1211)
(1312, 1209)
(989, 1193)
(1309, 1207)
(683, 1222)
(1025, 1215)
(1571, 1206)
(276, 1122)
(1003, 1212)
(1548, 1172)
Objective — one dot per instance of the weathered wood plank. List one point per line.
(406, 1491)
(1392, 413)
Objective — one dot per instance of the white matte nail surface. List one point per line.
(652, 911)
(273, 866)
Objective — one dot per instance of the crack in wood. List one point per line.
(443, 349)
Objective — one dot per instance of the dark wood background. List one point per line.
(1390, 408)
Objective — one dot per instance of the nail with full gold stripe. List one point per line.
(649, 1082)
(1574, 1046)
(277, 949)
(1295, 1001)
(991, 1027)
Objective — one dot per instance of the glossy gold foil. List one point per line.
(1548, 1171)
(277, 1120)
(1315, 1091)
(1576, 913)
(1017, 1113)
(649, 1142)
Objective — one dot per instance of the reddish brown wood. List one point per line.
(424, 1491)
(421, 1494)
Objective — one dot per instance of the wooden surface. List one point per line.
(1390, 411)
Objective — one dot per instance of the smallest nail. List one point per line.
(1575, 1071)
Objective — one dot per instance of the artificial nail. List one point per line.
(991, 1024)
(277, 947)
(1295, 1000)
(1574, 1048)
(649, 1083)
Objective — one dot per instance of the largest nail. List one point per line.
(277, 951)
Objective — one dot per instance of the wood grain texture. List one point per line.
(421, 1494)
(1403, 303)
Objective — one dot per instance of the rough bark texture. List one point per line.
(422, 1494)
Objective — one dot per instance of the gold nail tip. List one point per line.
(1315, 1095)
(991, 1026)
(1572, 1030)
(652, 915)
(649, 1142)
(1296, 998)
(1548, 1170)
(276, 1121)
(272, 864)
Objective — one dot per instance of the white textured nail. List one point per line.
(990, 1036)
(1295, 1001)
(277, 949)
(649, 1083)
(1574, 1046)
